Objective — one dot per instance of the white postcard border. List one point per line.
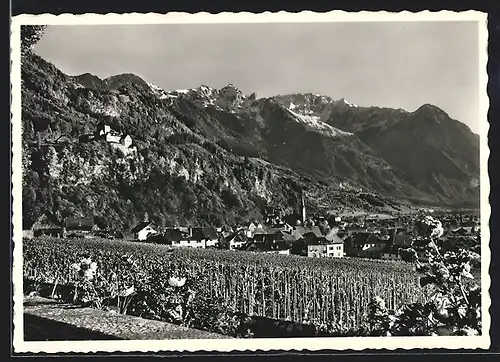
(283, 344)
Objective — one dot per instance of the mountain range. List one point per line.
(218, 156)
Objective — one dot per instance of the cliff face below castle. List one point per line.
(210, 157)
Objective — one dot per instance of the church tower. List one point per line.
(303, 208)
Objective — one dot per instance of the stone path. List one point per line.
(47, 319)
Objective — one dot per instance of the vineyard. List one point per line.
(333, 292)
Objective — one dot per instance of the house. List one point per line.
(300, 231)
(233, 241)
(143, 230)
(106, 132)
(367, 245)
(79, 224)
(173, 236)
(271, 245)
(390, 253)
(252, 228)
(168, 237)
(272, 241)
(271, 236)
(192, 237)
(400, 240)
(206, 236)
(113, 138)
(283, 226)
(83, 227)
(314, 246)
(47, 224)
(103, 130)
(321, 247)
(126, 141)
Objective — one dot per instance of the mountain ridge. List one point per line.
(213, 156)
(318, 108)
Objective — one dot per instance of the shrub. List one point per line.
(454, 306)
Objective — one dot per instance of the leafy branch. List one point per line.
(454, 306)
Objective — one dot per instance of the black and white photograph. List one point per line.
(277, 181)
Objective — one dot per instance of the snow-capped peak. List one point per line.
(315, 123)
(160, 92)
(347, 103)
(154, 87)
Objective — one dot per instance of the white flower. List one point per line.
(127, 292)
(469, 331)
(176, 282)
(466, 272)
(86, 261)
(379, 302)
(437, 230)
(89, 274)
(93, 266)
(75, 267)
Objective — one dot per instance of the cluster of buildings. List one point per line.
(104, 132)
(115, 139)
(368, 236)
(275, 236)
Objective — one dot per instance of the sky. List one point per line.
(390, 64)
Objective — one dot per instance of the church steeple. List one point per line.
(303, 207)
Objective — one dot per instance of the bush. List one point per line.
(454, 306)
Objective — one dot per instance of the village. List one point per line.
(374, 236)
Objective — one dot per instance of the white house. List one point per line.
(325, 248)
(236, 241)
(144, 230)
(105, 130)
(113, 138)
(126, 141)
(335, 250)
(196, 238)
(252, 228)
(279, 252)
(188, 243)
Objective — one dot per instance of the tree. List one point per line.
(30, 35)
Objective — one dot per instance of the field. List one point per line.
(333, 292)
